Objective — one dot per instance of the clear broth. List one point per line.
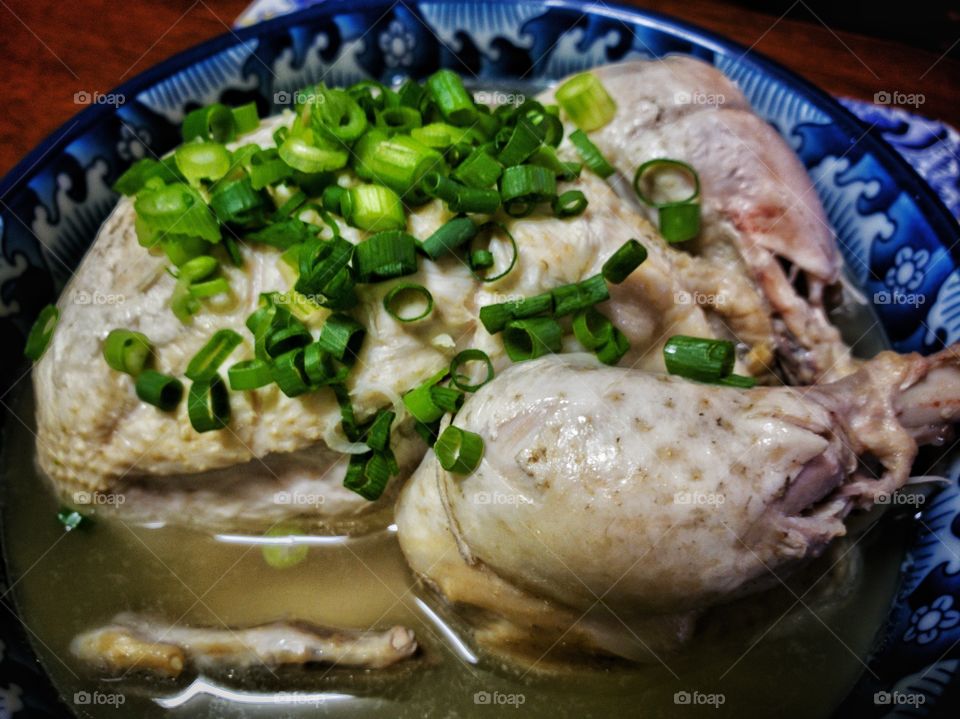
(65, 583)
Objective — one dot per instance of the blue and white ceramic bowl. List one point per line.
(895, 233)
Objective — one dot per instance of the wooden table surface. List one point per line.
(52, 50)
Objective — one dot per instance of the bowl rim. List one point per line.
(932, 207)
(908, 180)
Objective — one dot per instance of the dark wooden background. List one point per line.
(50, 50)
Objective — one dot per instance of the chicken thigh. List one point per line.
(655, 497)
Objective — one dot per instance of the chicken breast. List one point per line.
(281, 456)
(761, 214)
(653, 496)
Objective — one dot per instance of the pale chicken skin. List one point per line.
(662, 496)
(95, 436)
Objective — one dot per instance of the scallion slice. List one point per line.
(532, 338)
(628, 257)
(320, 367)
(586, 101)
(245, 118)
(577, 296)
(214, 122)
(706, 360)
(373, 208)
(680, 222)
(419, 401)
(207, 361)
(592, 329)
(198, 268)
(378, 436)
(738, 380)
(446, 89)
(342, 336)
(613, 349)
(449, 237)
(591, 155)
(447, 399)
(208, 405)
(480, 170)
(178, 209)
(304, 152)
(464, 357)
(522, 187)
(495, 317)
(162, 391)
(385, 256)
(249, 374)
(290, 374)
(127, 351)
(569, 204)
(486, 230)
(210, 288)
(458, 450)
(405, 295)
(41, 333)
(368, 475)
(202, 161)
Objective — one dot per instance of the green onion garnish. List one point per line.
(399, 162)
(176, 209)
(202, 161)
(136, 176)
(458, 450)
(342, 337)
(679, 216)
(616, 347)
(447, 399)
(531, 338)
(737, 380)
(405, 295)
(290, 374)
(284, 339)
(207, 361)
(628, 257)
(522, 187)
(591, 155)
(385, 256)
(446, 89)
(378, 436)
(72, 519)
(373, 208)
(305, 152)
(198, 268)
(449, 237)
(495, 317)
(487, 229)
(462, 358)
(577, 296)
(285, 555)
(320, 367)
(41, 332)
(210, 288)
(245, 118)
(404, 119)
(208, 405)
(336, 115)
(592, 329)
(368, 475)
(479, 170)
(249, 374)
(706, 360)
(234, 200)
(569, 204)
(214, 122)
(419, 401)
(126, 351)
(586, 101)
(266, 168)
(481, 260)
(162, 391)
